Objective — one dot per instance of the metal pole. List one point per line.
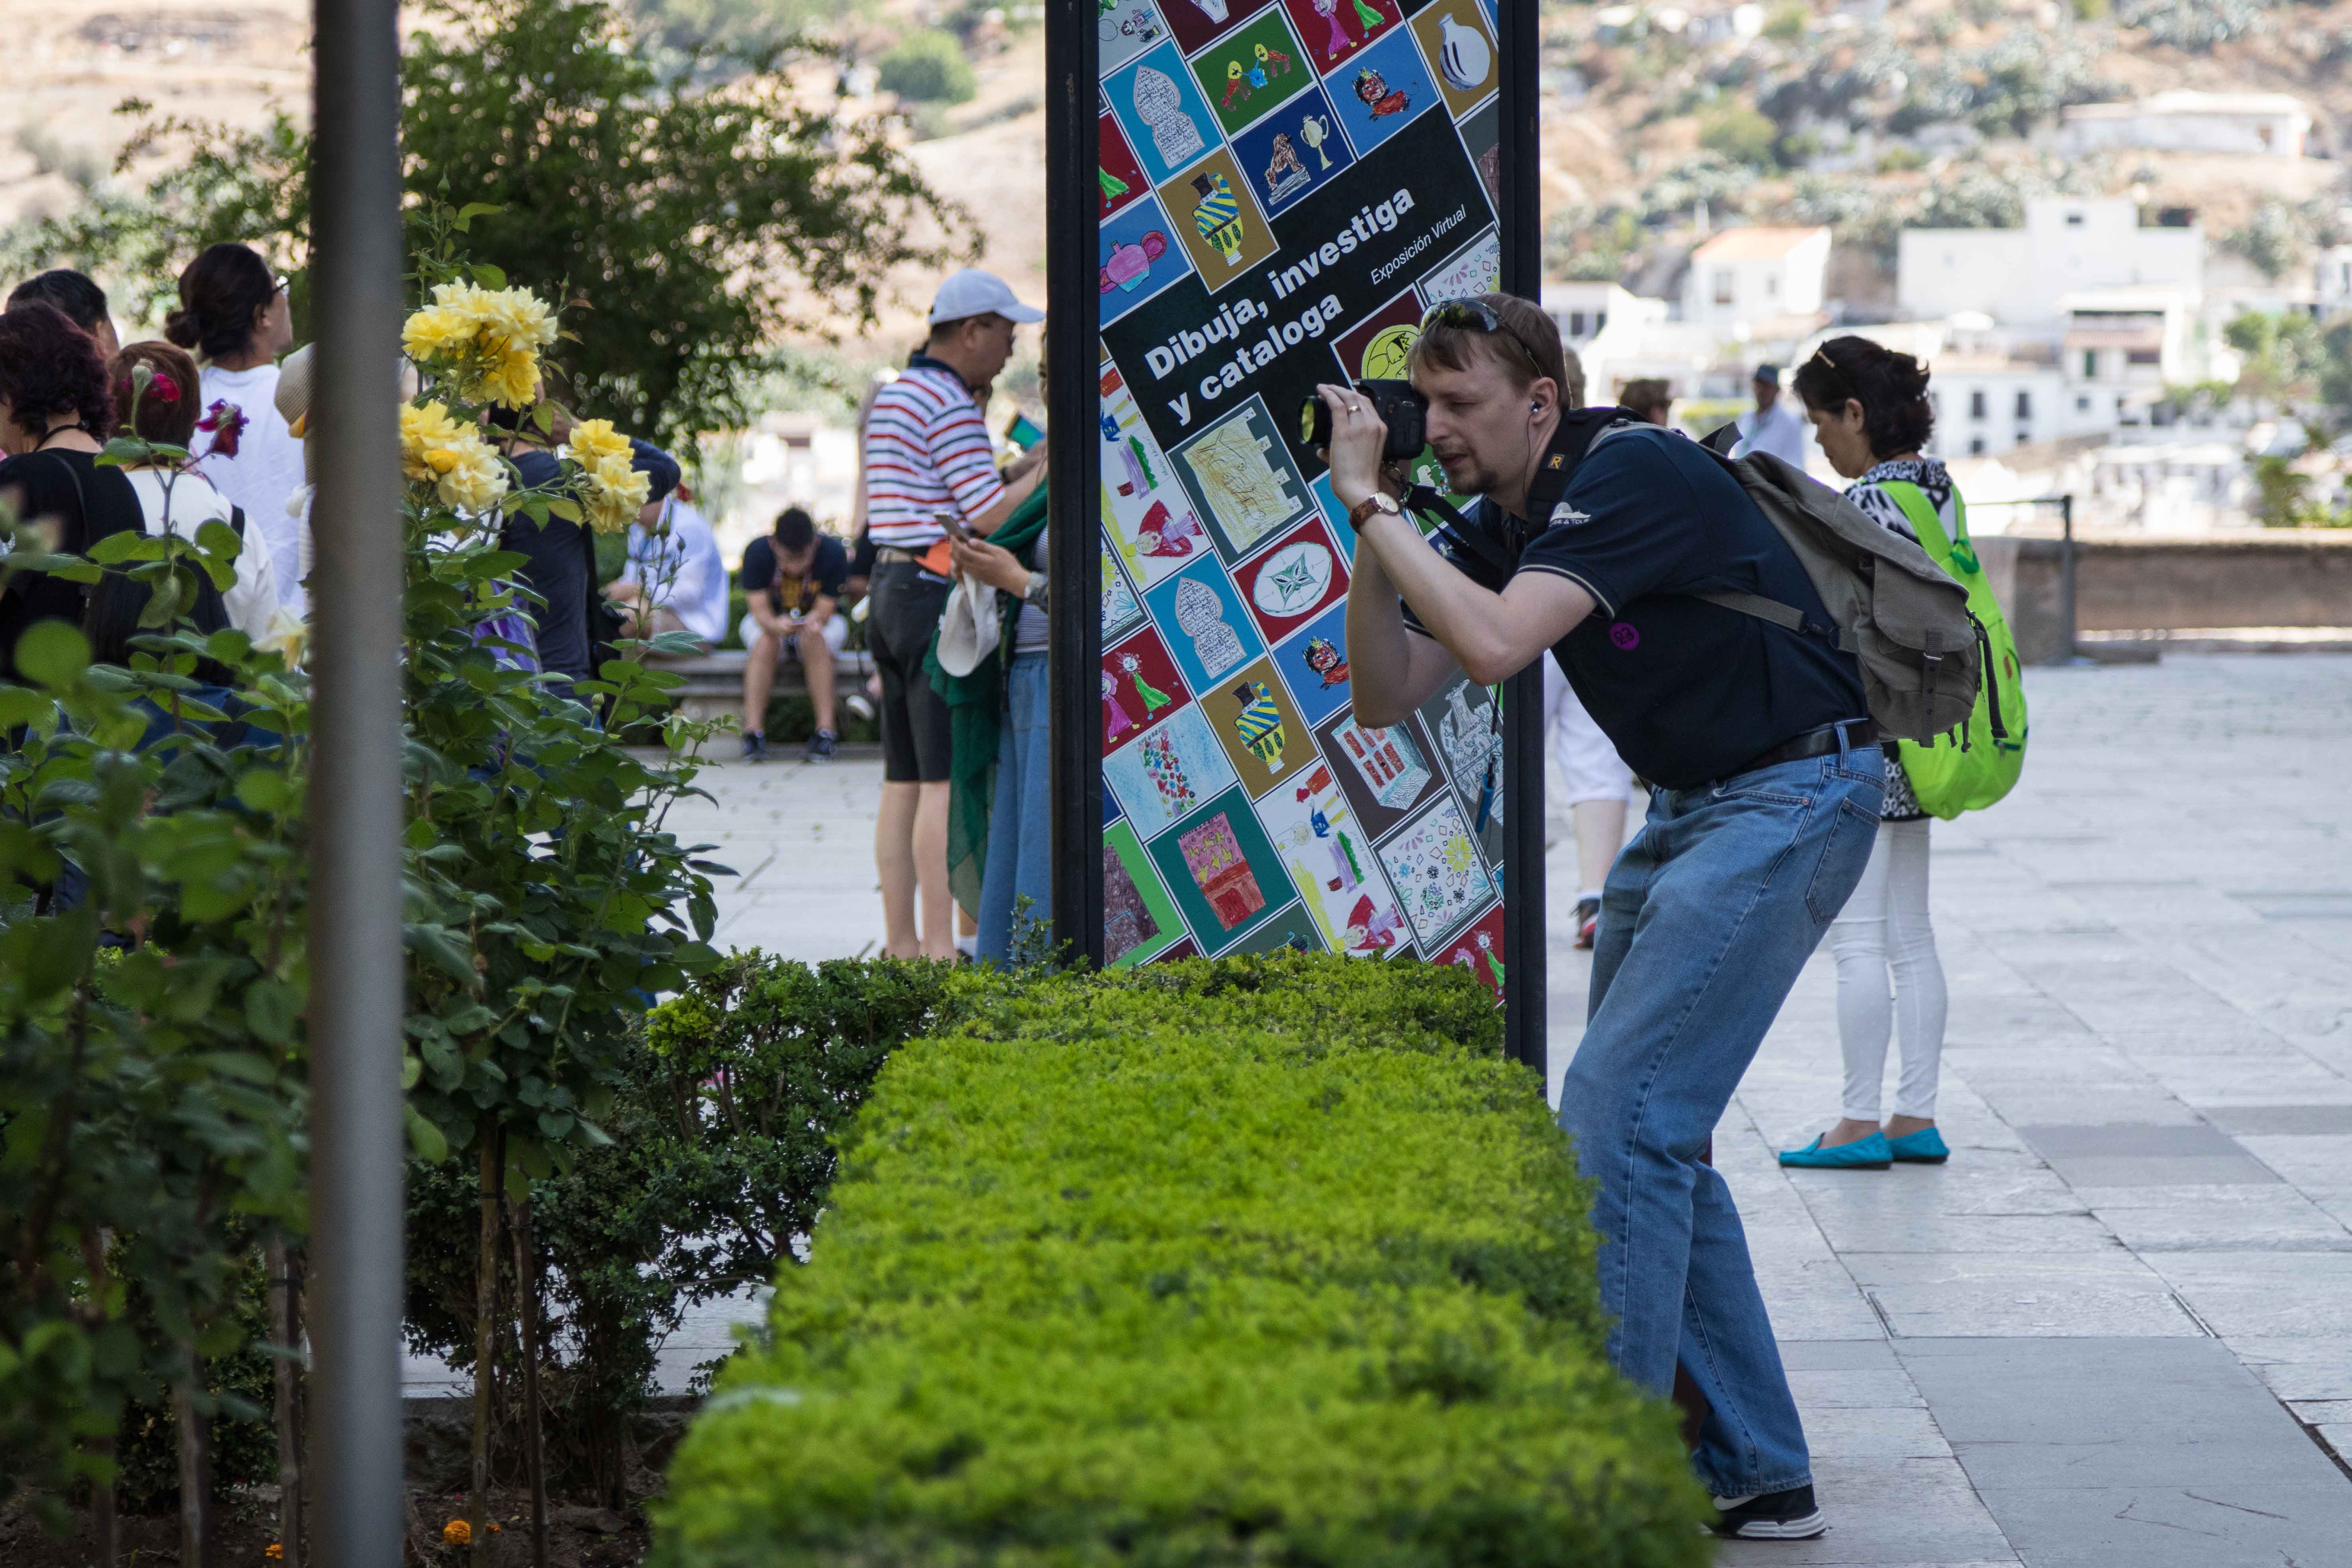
(1526, 995)
(1074, 655)
(2066, 572)
(356, 994)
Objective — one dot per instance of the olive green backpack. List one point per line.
(1980, 762)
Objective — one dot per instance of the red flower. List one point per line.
(164, 389)
(224, 421)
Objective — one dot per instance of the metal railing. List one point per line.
(2065, 505)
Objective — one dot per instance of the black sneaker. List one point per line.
(820, 746)
(1587, 921)
(755, 746)
(1772, 1516)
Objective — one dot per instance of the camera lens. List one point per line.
(1312, 415)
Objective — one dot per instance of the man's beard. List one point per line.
(1467, 476)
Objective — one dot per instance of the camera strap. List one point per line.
(1579, 429)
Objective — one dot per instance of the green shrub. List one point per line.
(1789, 23)
(721, 1154)
(1272, 1260)
(1741, 134)
(929, 67)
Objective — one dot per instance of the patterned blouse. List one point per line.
(1934, 481)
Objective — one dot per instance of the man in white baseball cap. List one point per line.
(972, 292)
(927, 454)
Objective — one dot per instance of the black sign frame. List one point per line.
(1073, 271)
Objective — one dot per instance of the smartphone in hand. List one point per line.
(952, 526)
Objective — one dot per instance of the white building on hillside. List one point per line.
(2017, 276)
(2332, 292)
(1996, 388)
(1750, 277)
(2270, 124)
(1584, 309)
(1618, 336)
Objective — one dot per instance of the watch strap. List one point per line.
(1370, 506)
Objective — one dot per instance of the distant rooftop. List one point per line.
(1753, 243)
(2186, 100)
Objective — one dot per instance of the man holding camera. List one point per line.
(1592, 541)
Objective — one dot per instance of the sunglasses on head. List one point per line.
(1477, 315)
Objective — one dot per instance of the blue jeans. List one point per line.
(1705, 921)
(1021, 823)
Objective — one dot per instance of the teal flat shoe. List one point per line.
(1925, 1147)
(1869, 1154)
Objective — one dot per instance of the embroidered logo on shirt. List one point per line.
(1566, 516)
(1624, 636)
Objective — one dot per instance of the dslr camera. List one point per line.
(1404, 411)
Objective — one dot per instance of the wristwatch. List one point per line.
(1035, 594)
(1377, 501)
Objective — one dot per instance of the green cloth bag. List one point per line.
(1946, 777)
(975, 704)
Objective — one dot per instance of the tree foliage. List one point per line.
(153, 890)
(701, 219)
(929, 67)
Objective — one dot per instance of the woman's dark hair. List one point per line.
(83, 302)
(167, 411)
(48, 366)
(1891, 387)
(222, 294)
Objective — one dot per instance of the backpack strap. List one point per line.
(236, 520)
(1788, 618)
(82, 503)
(1912, 502)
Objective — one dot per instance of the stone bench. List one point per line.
(714, 682)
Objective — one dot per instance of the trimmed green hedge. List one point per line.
(1270, 1261)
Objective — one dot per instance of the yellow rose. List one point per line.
(474, 480)
(591, 439)
(423, 427)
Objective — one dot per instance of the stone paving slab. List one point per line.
(2150, 945)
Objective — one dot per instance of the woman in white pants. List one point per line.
(1600, 787)
(1869, 406)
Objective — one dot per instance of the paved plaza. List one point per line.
(2117, 1329)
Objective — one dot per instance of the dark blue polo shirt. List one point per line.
(1689, 690)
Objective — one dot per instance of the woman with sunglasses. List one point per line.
(1869, 407)
(234, 317)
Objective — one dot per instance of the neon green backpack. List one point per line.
(1950, 777)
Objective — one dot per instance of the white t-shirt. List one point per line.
(266, 470)
(1779, 430)
(252, 600)
(684, 569)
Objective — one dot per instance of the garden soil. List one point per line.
(577, 1537)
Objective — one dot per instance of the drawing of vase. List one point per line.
(1259, 724)
(1217, 214)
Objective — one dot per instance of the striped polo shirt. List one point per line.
(927, 451)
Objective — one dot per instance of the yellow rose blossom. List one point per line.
(462, 469)
(591, 439)
(610, 488)
(485, 343)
